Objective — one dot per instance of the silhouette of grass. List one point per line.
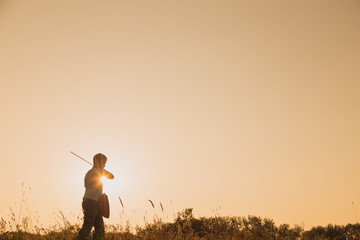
(185, 226)
(152, 204)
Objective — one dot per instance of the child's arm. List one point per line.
(107, 174)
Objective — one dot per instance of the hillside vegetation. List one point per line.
(186, 226)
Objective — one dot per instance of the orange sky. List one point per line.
(248, 105)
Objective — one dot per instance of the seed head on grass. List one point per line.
(152, 204)
(162, 209)
(121, 202)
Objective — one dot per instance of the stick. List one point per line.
(82, 158)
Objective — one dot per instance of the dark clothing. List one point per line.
(92, 218)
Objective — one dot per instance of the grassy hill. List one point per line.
(186, 226)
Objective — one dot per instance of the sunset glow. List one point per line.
(103, 179)
(233, 108)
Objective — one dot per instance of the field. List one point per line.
(184, 226)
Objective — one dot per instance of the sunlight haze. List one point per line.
(228, 107)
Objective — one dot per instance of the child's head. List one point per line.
(99, 160)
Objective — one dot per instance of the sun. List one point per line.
(117, 186)
(102, 179)
(108, 185)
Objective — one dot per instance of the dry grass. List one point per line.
(184, 226)
(24, 225)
